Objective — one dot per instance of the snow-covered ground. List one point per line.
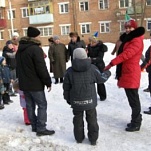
(113, 116)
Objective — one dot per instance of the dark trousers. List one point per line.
(101, 91)
(149, 79)
(134, 102)
(78, 122)
(33, 98)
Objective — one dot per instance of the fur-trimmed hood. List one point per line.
(26, 42)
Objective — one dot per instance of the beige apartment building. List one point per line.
(60, 17)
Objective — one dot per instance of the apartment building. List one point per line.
(59, 17)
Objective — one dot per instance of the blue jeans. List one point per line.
(33, 98)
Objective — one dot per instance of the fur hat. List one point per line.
(1, 60)
(131, 23)
(8, 42)
(56, 37)
(93, 39)
(79, 53)
(33, 32)
(15, 34)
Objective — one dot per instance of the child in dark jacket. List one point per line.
(80, 93)
(6, 78)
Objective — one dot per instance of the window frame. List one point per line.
(67, 31)
(13, 13)
(84, 8)
(64, 8)
(104, 6)
(43, 30)
(1, 34)
(26, 12)
(124, 5)
(105, 27)
(149, 3)
(85, 26)
(147, 24)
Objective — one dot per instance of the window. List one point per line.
(149, 25)
(39, 7)
(125, 3)
(65, 29)
(104, 27)
(63, 8)
(2, 12)
(11, 13)
(25, 12)
(25, 31)
(122, 27)
(1, 34)
(45, 31)
(84, 6)
(85, 28)
(148, 2)
(103, 4)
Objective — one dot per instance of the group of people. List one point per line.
(87, 68)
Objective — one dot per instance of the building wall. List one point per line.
(94, 15)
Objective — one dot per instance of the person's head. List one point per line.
(2, 61)
(130, 26)
(51, 40)
(15, 36)
(56, 39)
(9, 44)
(79, 53)
(73, 36)
(33, 32)
(93, 40)
(16, 85)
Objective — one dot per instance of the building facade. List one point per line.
(60, 17)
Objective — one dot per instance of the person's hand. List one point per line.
(12, 81)
(49, 89)
(107, 67)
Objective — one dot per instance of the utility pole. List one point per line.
(11, 17)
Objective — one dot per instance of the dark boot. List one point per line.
(148, 112)
(1, 106)
(56, 80)
(133, 127)
(5, 98)
(61, 80)
(46, 132)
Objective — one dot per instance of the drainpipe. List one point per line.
(11, 17)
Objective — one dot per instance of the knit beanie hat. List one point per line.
(8, 42)
(79, 53)
(1, 60)
(131, 23)
(32, 32)
(93, 39)
(56, 37)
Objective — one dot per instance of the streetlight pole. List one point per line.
(11, 17)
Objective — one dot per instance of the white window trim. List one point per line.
(130, 4)
(1, 31)
(13, 9)
(46, 27)
(80, 7)
(103, 8)
(22, 11)
(85, 24)
(100, 22)
(147, 5)
(147, 24)
(63, 25)
(60, 7)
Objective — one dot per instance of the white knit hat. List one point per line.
(79, 53)
(15, 34)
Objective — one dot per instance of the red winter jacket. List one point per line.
(130, 57)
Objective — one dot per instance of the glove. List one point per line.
(107, 67)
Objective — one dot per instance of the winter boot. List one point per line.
(148, 112)
(45, 132)
(133, 128)
(5, 99)
(56, 80)
(1, 106)
(61, 80)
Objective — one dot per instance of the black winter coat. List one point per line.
(31, 67)
(79, 84)
(10, 59)
(73, 45)
(96, 53)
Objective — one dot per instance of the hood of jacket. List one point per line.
(26, 42)
(81, 65)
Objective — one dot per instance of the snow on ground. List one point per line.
(113, 115)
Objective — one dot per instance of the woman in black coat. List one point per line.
(96, 50)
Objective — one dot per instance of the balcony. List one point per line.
(2, 23)
(41, 19)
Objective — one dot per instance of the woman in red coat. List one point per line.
(128, 69)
